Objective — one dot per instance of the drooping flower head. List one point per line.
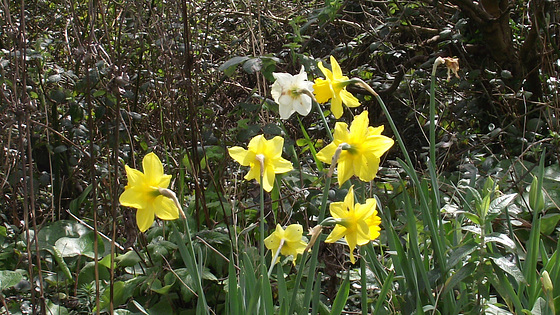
(144, 192)
(262, 152)
(334, 87)
(357, 223)
(289, 241)
(363, 148)
(291, 93)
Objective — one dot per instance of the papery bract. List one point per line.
(366, 146)
(142, 193)
(293, 243)
(334, 87)
(290, 92)
(270, 151)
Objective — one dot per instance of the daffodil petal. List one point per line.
(144, 218)
(338, 210)
(326, 154)
(348, 99)
(153, 169)
(380, 144)
(268, 178)
(133, 197)
(345, 168)
(134, 176)
(328, 74)
(165, 208)
(239, 155)
(282, 166)
(336, 107)
(293, 233)
(337, 233)
(367, 168)
(336, 71)
(360, 124)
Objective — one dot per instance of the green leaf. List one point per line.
(72, 246)
(509, 267)
(341, 296)
(156, 287)
(502, 239)
(9, 278)
(549, 222)
(253, 65)
(76, 203)
(498, 204)
(128, 259)
(56, 309)
(229, 66)
(465, 271)
(461, 252)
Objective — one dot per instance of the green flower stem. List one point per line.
(329, 133)
(192, 259)
(363, 281)
(261, 224)
(315, 251)
(425, 204)
(311, 146)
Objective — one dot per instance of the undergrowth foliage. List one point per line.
(279, 157)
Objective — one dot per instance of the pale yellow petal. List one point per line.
(144, 218)
(368, 166)
(328, 74)
(359, 126)
(164, 181)
(274, 147)
(336, 71)
(326, 154)
(268, 178)
(345, 168)
(239, 155)
(153, 169)
(293, 233)
(134, 176)
(337, 233)
(257, 144)
(362, 233)
(348, 99)
(272, 242)
(134, 197)
(338, 210)
(378, 145)
(336, 107)
(282, 166)
(165, 208)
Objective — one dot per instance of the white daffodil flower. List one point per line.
(292, 93)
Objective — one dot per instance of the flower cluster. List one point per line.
(355, 150)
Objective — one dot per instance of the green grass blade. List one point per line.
(387, 284)
(341, 296)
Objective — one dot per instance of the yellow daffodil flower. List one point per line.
(144, 192)
(334, 87)
(288, 241)
(292, 93)
(362, 146)
(354, 222)
(267, 153)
